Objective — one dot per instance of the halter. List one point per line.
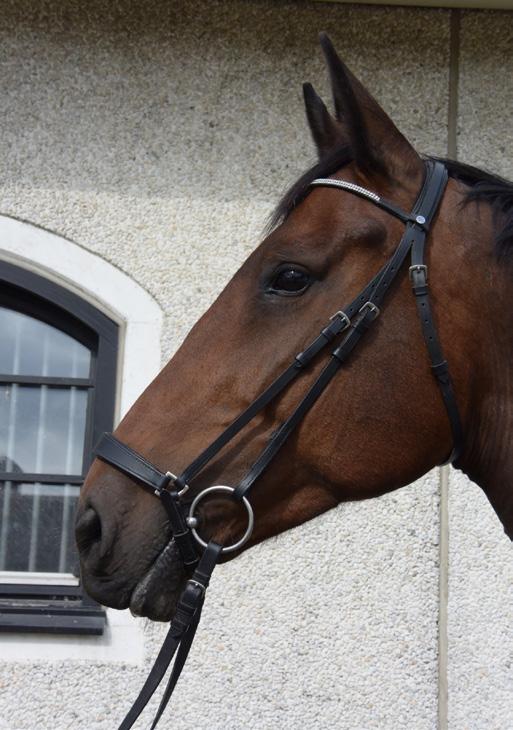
(200, 557)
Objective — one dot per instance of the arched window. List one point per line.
(58, 358)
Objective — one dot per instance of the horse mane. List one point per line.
(494, 190)
(483, 187)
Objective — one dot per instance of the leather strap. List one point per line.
(420, 287)
(433, 188)
(114, 452)
(282, 434)
(178, 640)
(182, 536)
(118, 454)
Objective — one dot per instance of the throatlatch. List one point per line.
(200, 557)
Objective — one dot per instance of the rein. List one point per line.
(200, 557)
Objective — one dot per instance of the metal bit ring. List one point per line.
(192, 522)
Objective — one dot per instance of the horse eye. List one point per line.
(290, 280)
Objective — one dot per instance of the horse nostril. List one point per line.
(88, 529)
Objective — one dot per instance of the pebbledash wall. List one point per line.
(158, 136)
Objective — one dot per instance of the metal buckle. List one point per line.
(245, 502)
(193, 582)
(418, 269)
(343, 316)
(173, 478)
(371, 307)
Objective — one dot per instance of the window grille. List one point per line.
(57, 385)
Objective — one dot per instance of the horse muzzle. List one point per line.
(155, 596)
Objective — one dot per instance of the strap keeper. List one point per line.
(179, 484)
(421, 290)
(303, 358)
(440, 370)
(171, 479)
(300, 360)
(362, 326)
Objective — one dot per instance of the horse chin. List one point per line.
(157, 593)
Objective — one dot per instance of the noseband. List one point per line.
(200, 557)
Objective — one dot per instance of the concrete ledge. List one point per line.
(471, 4)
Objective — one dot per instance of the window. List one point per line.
(57, 386)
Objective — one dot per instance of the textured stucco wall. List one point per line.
(159, 135)
(481, 566)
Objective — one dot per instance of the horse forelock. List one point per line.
(325, 167)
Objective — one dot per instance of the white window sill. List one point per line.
(122, 641)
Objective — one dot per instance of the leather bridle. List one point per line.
(347, 326)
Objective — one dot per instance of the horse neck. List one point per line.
(488, 457)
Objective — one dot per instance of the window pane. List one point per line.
(32, 347)
(42, 429)
(36, 527)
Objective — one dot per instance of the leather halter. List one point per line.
(353, 321)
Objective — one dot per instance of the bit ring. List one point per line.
(191, 520)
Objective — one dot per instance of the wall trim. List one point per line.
(140, 321)
(103, 285)
(443, 606)
(470, 4)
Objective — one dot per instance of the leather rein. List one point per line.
(200, 557)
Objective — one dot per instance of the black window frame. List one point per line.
(48, 608)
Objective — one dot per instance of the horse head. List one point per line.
(377, 426)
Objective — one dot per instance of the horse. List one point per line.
(380, 423)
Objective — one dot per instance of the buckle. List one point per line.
(346, 322)
(371, 307)
(172, 478)
(196, 583)
(418, 269)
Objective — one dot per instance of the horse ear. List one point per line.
(377, 145)
(326, 131)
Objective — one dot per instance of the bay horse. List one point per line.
(379, 424)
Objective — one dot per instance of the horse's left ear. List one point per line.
(327, 133)
(377, 145)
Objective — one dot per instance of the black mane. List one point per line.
(494, 190)
(483, 187)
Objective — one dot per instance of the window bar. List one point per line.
(66, 501)
(39, 466)
(8, 485)
(4, 533)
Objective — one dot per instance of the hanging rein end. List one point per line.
(178, 640)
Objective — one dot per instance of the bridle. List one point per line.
(200, 557)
